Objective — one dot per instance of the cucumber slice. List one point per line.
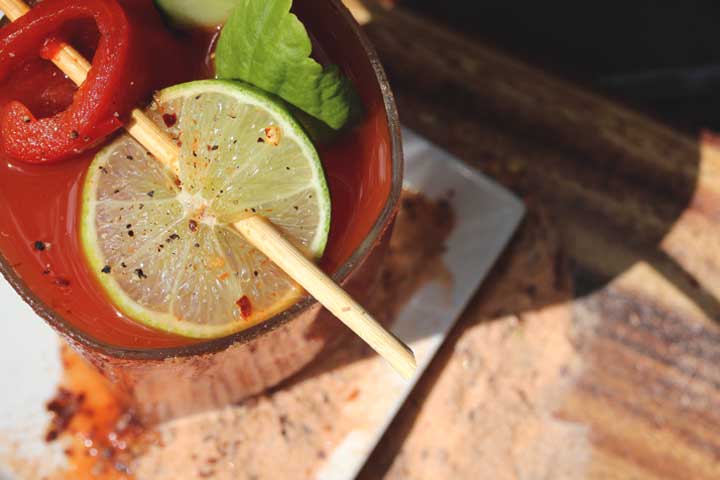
(194, 13)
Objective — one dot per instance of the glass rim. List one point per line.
(205, 347)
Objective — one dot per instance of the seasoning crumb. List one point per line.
(273, 135)
(193, 226)
(140, 274)
(151, 193)
(63, 408)
(40, 246)
(74, 134)
(106, 269)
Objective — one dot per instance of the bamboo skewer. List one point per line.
(257, 230)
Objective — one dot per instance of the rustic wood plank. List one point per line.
(633, 207)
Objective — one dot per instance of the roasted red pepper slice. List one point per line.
(100, 104)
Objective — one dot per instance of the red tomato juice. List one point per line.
(41, 204)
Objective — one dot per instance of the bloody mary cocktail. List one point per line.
(43, 257)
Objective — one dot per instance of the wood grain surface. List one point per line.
(593, 352)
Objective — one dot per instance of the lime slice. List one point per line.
(165, 250)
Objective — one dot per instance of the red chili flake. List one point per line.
(170, 119)
(193, 225)
(245, 306)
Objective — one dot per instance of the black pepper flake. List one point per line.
(123, 265)
(256, 273)
(253, 210)
(129, 157)
(39, 246)
(140, 274)
(106, 269)
(151, 193)
(26, 119)
(198, 97)
(260, 140)
(194, 153)
(117, 190)
(197, 245)
(103, 169)
(74, 134)
(128, 226)
(193, 225)
(212, 147)
(131, 233)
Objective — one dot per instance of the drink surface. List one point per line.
(39, 204)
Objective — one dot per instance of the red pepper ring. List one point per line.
(106, 96)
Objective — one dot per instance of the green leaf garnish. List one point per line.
(262, 43)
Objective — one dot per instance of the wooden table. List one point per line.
(593, 352)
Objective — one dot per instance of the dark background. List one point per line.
(662, 57)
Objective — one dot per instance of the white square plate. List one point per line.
(486, 217)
